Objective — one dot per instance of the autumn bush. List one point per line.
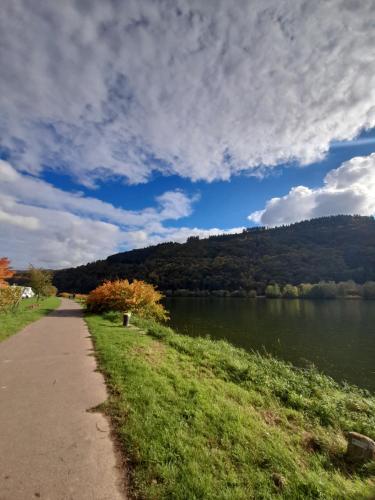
(81, 298)
(70, 295)
(50, 291)
(137, 297)
(10, 297)
(5, 272)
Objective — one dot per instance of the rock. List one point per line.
(279, 480)
(360, 448)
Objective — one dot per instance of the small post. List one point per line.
(126, 319)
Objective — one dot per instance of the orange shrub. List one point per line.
(5, 271)
(80, 297)
(138, 297)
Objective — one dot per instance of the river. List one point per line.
(337, 336)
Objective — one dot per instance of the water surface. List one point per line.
(337, 336)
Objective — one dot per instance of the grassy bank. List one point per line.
(28, 311)
(200, 419)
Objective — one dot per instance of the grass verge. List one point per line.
(28, 311)
(201, 419)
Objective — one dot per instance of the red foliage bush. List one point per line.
(138, 297)
(5, 271)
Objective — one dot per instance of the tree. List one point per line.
(290, 292)
(304, 290)
(5, 271)
(273, 291)
(369, 290)
(348, 289)
(120, 295)
(324, 290)
(41, 282)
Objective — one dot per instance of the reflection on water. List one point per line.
(336, 336)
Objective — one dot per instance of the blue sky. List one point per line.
(223, 204)
(125, 124)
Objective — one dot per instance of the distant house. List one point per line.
(27, 292)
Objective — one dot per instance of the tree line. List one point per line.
(339, 248)
(322, 290)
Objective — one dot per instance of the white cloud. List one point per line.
(199, 89)
(31, 190)
(46, 226)
(175, 204)
(62, 240)
(349, 189)
(19, 220)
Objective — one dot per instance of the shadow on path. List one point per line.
(66, 313)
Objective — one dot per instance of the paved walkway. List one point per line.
(51, 447)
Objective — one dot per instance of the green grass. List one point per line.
(27, 313)
(201, 419)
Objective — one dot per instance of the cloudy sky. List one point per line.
(126, 123)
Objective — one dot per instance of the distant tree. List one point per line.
(273, 291)
(120, 295)
(239, 293)
(304, 290)
(5, 271)
(348, 289)
(324, 290)
(50, 291)
(290, 292)
(220, 293)
(40, 281)
(369, 290)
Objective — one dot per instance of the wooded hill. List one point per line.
(335, 248)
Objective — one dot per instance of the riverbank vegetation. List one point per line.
(198, 418)
(339, 248)
(28, 311)
(323, 290)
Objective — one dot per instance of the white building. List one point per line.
(27, 292)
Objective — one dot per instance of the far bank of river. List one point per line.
(337, 336)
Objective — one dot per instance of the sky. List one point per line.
(128, 123)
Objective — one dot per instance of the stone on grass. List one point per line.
(279, 480)
(360, 448)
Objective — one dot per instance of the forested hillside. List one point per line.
(336, 248)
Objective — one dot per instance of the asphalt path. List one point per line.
(52, 446)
